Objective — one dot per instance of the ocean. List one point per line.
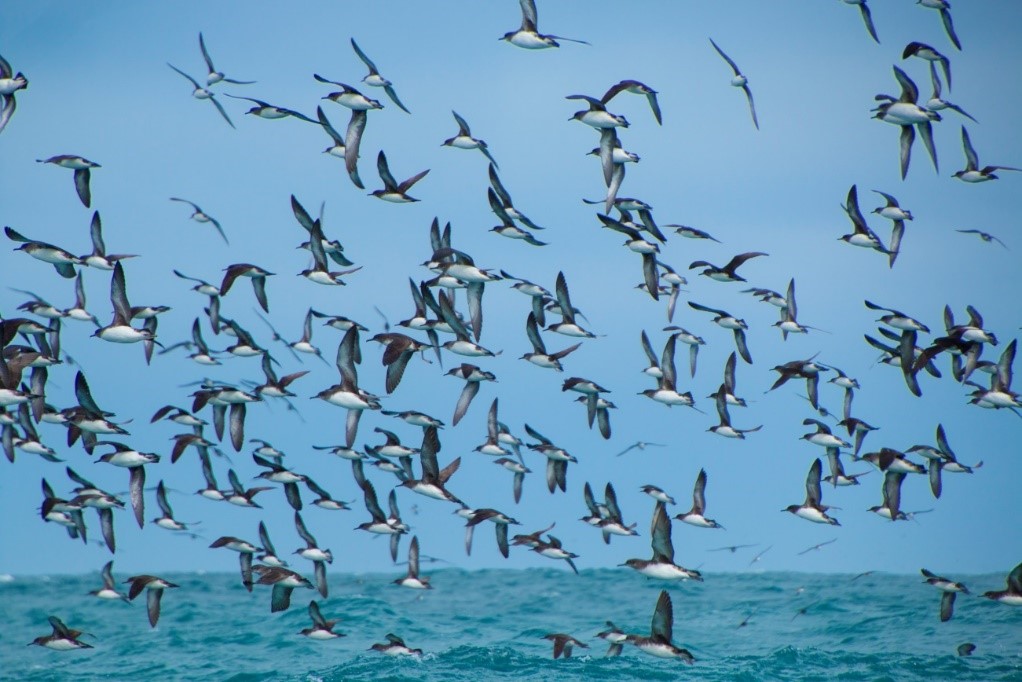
(489, 625)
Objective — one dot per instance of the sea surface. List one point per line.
(489, 624)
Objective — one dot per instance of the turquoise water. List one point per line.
(488, 625)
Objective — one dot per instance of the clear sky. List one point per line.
(100, 88)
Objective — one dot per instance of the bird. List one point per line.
(726, 273)
(949, 590)
(985, 236)
(375, 80)
(739, 81)
(730, 548)
(258, 276)
(10, 83)
(666, 392)
(500, 521)
(380, 524)
(564, 644)
(607, 517)
(269, 554)
(109, 589)
(200, 93)
(395, 646)
(637, 88)
(528, 36)
(862, 235)
(464, 139)
(200, 216)
(759, 556)
(322, 629)
(897, 215)
(891, 491)
(724, 428)
(728, 321)
(597, 116)
(965, 649)
(62, 638)
(641, 446)
(319, 557)
(284, 582)
(812, 509)
(697, 515)
(539, 355)
(434, 479)
(154, 587)
(662, 565)
(349, 145)
(944, 7)
(320, 272)
(215, 76)
(166, 521)
(935, 103)
(1012, 594)
(867, 17)
(660, 642)
(553, 549)
(83, 173)
(98, 258)
(392, 191)
(924, 51)
(816, 546)
(615, 638)
(245, 551)
(906, 112)
(272, 111)
(412, 579)
(567, 326)
(973, 173)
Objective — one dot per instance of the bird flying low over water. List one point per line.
(660, 642)
(154, 587)
(1012, 594)
(949, 590)
(564, 644)
(662, 566)
(62, 638)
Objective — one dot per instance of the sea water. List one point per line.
(489, 625)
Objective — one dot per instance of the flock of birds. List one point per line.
(446, 329)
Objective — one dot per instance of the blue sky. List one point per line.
(100, 88)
